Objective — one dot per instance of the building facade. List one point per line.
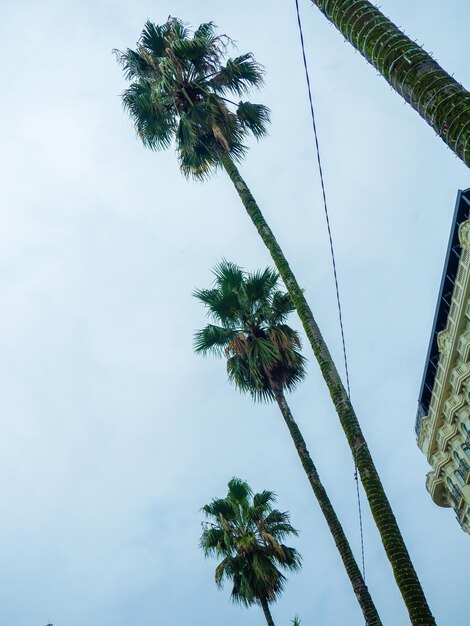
(443, 419)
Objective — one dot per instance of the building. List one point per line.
(443, 419)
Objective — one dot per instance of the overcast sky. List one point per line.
(113, 433)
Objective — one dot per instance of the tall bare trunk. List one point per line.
(266, 611)
(410, 70)
(357, 581)
(394, 545)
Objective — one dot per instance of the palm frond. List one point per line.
(249, 380)
(228, 276)
(242, 592)
(239, 491)
(276, 517)
(245, 533)
(256, 117)
(261, 500)
(263, 353)
(187, 75)
(175, 29)
(200, 162)
(212, 339)
(212, 542)
(264, 567)
(219, 506)
(238, 151)
(282, 530)
(288, 343)
(222, 570)
(205, 30)
(154, 121)
(186, 135)
(154, 38)
(281, 307)
(238, 76)
(133, 64)
(260, 284)
(292, 559)
(223, 307)
(195, 49)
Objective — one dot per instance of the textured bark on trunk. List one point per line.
(410, 70)
(359, 586)
(395, 548)
(266, 611)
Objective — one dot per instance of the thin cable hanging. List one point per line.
(338, 299)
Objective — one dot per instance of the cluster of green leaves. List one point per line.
(179, 88)
(247, 533)
(262, 351)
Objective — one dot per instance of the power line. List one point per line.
(333, 259)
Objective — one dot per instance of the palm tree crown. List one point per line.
(247, 533)
(178, 90)
(263, 358)
(209, 130)
(262, 351)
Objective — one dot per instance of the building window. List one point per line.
(466, 449)
(455, 493)
(461, 472)
(466, 431)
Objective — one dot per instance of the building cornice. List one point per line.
(454, 251)
(446, 398)
(443, 420)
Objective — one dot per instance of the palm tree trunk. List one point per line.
(360, 589)
(395, 548)
(266, 611)
(410, 70)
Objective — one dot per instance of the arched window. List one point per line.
(450, 483)
(459, 477)
(461, 472)
(455, 492)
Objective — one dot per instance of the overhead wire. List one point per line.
(333, 259)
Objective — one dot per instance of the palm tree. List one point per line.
(248, 534)
(411, 71)
(264, 360)
(178, 92)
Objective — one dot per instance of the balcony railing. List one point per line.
(455, 496)
(462, 472)
(460, 517)
(464, 468)
(466, 448)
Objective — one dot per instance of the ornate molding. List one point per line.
(439, 431)
(446, 434)
(463, 346)
(444, 341)
(453, 403)
(458, 375)
(437, 489)
(464, 235)
(424, 433)
(440, 459)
